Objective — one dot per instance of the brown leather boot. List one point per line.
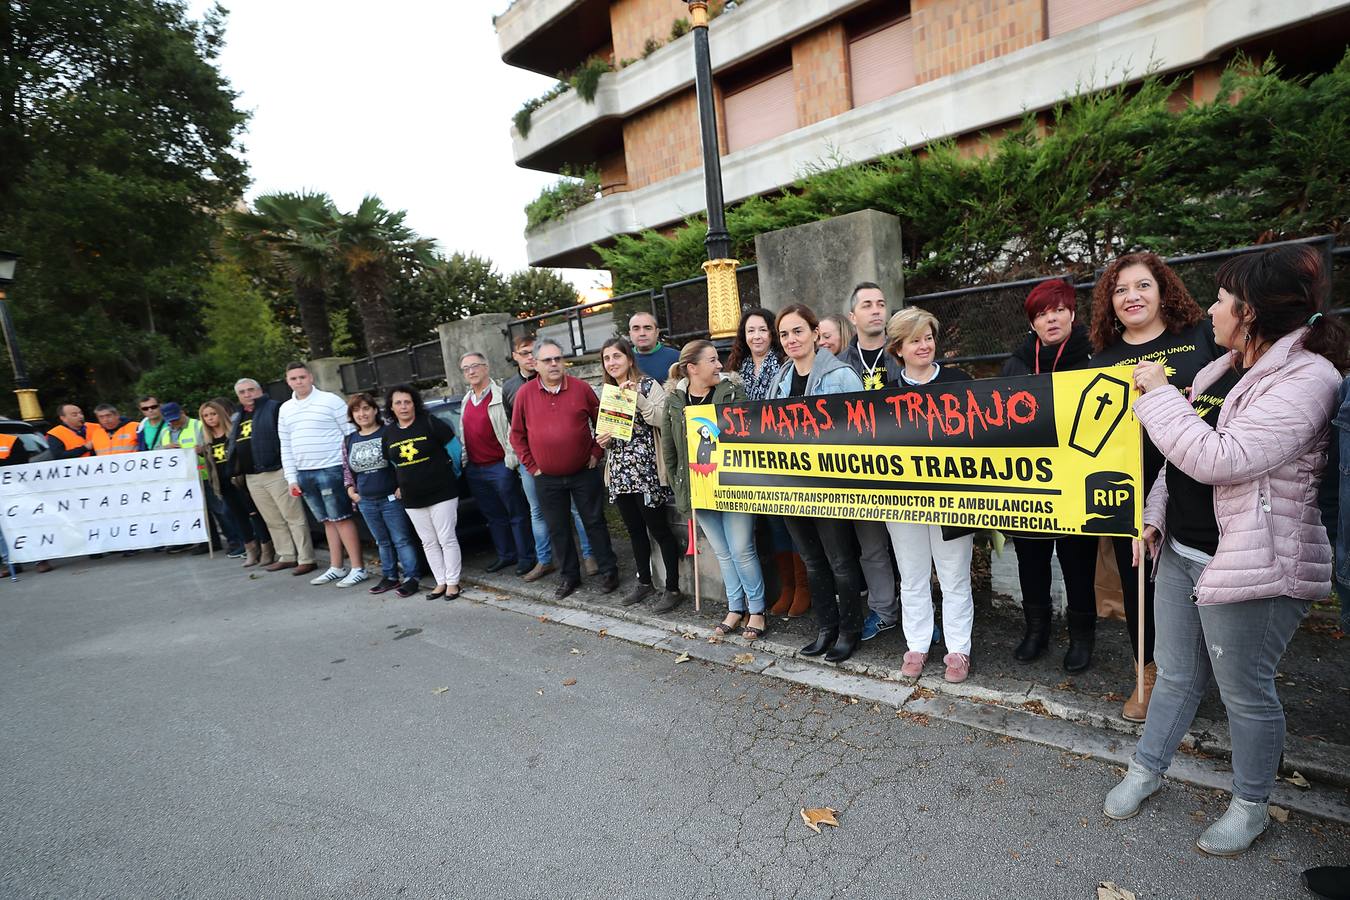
(266, 554)
(788, 584)
(801, 598)
(250, 554)
(1136, 708)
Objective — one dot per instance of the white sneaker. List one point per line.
(333, 574)
(355, 577)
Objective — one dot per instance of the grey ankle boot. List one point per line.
(1123, 800)
(1236, 829)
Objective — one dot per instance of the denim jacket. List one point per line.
(829, 375)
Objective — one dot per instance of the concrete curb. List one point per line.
(1018, 709)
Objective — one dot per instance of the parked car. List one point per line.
(32, 436)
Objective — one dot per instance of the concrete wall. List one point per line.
(819, 263)
(476, 334)
(327, 372)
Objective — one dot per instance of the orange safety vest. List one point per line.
(123, 440)
(69, 439)
(7, 442)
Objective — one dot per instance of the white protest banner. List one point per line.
(99, 504)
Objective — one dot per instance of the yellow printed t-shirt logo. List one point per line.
(408, 452)
(874, 381)
(218, 452)
(246, 430)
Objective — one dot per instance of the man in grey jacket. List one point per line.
(867, 355)
(490, 467)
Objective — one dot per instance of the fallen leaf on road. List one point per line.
(544, 619)
(689, 635)
(440, 690)
(576, 651)
(1298, 781)
(852, 700)
(741, 659)
(1108, 890)
(568, 682)
(603, 631)
(715, 639)
(540, 692)
(814, 818)
(916, 718)
(1279, 814)
(683, 657)
(253, 575)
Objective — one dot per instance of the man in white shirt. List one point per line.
(312, 426)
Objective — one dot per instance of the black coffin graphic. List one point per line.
(1100, 409)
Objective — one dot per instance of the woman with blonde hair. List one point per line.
(911, 337)
(215, 418)
(834, 334)
(697, 379)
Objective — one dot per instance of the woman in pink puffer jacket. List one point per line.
(1234, 524)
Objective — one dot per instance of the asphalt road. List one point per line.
(174, 728)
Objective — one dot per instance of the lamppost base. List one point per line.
(724, 298)
(29, 408)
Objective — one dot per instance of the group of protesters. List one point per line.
(1237, 408)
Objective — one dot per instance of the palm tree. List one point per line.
(289, 231)
(371, 246)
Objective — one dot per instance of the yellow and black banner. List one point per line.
(1044, 453)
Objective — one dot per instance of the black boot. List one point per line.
(1082, 637)
(824, 641)
(1037, 637)
(843, 648)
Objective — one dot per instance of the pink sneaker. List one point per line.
(958, 667)
(913, 665)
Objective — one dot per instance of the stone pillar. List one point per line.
(327, 372)
(819, 263)
(476, 334)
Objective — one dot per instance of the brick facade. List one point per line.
(662, 140)
(951, 35)
(631, 22)
(820, 74)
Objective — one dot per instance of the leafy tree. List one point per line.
(291, 233)
(535, 291)
(371, 247)
(117, 143)
(241, 332)
(462, 285)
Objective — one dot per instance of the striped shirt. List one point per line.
(311, 432)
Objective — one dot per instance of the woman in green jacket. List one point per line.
(695, 380)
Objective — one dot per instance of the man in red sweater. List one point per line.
(553, 434)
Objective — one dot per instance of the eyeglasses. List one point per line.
(549, 360)
(471, 367)
(150, 407)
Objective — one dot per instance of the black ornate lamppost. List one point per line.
(29, 409)
(724, 305)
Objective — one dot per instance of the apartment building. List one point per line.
(799, 82)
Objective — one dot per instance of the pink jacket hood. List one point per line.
(1265, 459)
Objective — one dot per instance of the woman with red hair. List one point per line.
(1141, 312)
(1055, 344)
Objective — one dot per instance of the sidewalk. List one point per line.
(1030, 701)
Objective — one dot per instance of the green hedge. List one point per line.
(1116, 170)
(573, 191)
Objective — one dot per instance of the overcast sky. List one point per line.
(406, 99)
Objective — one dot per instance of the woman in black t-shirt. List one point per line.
(215, 419)
(1141, 312)
(415, 447)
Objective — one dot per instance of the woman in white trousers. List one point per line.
(912, 339)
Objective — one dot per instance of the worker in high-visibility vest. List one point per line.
(70, 438)
(114, 433)
(181, 430)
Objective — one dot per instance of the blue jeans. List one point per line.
(225, 521)
(1239, 645)
(393, 534)
(497, 490)
(543, 547)
(732, 536)
(325, 494)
